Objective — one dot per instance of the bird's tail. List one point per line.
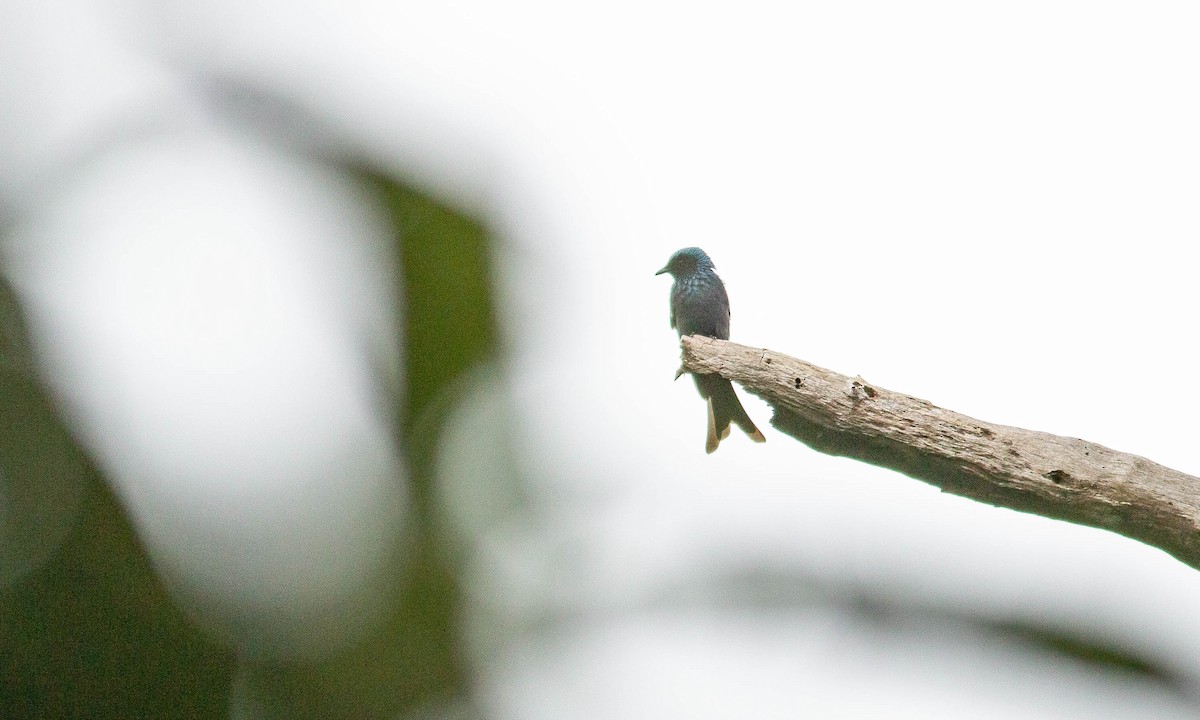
(724, 407)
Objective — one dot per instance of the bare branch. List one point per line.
(1057, 477)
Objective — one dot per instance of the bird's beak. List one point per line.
(660, 272)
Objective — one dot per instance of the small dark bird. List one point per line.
(700, 306)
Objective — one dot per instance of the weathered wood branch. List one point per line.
(1053, 476)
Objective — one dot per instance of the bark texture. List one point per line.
(1050, 475)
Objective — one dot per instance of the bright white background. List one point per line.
(988, 206)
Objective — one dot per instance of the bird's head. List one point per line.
(686, 262)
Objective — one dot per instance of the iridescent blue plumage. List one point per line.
(700, 306)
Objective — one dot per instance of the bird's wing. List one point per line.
(723, 321)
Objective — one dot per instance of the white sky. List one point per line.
(988, 206)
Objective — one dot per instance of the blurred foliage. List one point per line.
(450, 324)
(87, 630)
(91, 633)
(449, 329)
(1077, 646)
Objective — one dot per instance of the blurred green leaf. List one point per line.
(90, 632)
(1088, 649)
(416, 661)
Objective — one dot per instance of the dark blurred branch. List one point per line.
(1057, 477)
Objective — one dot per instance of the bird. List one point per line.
(700, 306)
